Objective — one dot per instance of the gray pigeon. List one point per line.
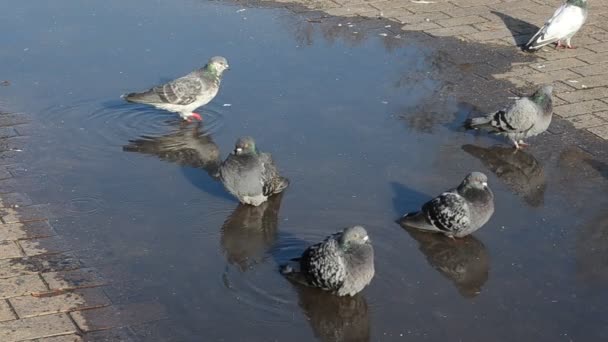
(343, 263)
(186, 93)
(186, 146)
(249, 175)
(457, 212)
(526, 117)
(564, 24)
(522, 173)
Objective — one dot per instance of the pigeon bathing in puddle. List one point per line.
(185, 94)
(343, 263)
(250, 175)
(457, 212)
(564, 24)
(526, 117)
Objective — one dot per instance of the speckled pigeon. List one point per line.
(564, 24)
(250, 175)
(188, 146)
(185, 94)
(457, 212)
(526, 117)
(343, 263)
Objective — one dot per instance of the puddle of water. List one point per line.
(366, 126)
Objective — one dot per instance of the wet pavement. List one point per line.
(366, 124)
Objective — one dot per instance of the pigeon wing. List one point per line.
(449, 212)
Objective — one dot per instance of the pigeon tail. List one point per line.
(416, 220)
(145, 97)
(474, 123)
(292, 271)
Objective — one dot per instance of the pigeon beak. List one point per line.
(238, 150)
(485, 184)
(366, 239)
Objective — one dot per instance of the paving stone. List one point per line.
(8, 250)
(47, 245)
(27, 230)
(116, 316)
(7, 132)
(580, 108)
(586, 121)
(595, 58)
(28, 306)
(558, 64)
(10, 200)
(13, 119)
(599, 47)
(62, 338)
(84, 277)
(36, 327)
(40, 263)
(111, 335)
(584, 94)
(9, 185)
(418, 18)
(467, 20)
(35, 212)
(603, 115)
(600, 131)
(551, 76)
(452, 31)
(4, 173)
(590, 70)
(6, 313)
(21, 285)
(420, 26)
(550, 53)
(488, 35)
(591, 82)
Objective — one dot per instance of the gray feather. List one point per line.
(343, 263)
(457, 212)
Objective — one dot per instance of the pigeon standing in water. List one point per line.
(457, 212)
(186, 93)
(526, 117)
(564, 24)
(343, 263)
(249, 175)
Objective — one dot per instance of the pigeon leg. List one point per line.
(197, 116)
(568, 45)
(522, 144)
(558, 45)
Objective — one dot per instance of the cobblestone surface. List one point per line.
(580, 75)
(46, 292)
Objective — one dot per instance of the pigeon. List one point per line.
(185, 94)
(564, 24)
(465, 262)
(520, 171)
(343, 263)
(250, 232)
(526, 117)
(457, 212)
(250, 175)
(186, 147)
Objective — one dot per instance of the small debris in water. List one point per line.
(513, 97)
(6, 83)
(573, 81)
(355, 32)
(227, 104)
(384, 102)
(422, 2)
(351, 25)
(383, 34)
(339, 25)
(387, 26)
(241, 10)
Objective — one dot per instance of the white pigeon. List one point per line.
(564, 24)
(185, 94)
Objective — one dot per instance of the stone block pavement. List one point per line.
(47, 294)
(580, 75)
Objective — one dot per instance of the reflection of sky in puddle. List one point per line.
(367, 128)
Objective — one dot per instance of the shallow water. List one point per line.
(366, 128)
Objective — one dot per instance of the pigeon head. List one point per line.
(352, 236)
(217, 65)
(579, 3)
(245, 145)
(476, 180)
(542, 94)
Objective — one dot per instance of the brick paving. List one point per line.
(47, 294)
(580, 76)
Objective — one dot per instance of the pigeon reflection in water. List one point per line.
(188, 146)
(464, 261)
(334, 318)
(250, 232)
(522, 173)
